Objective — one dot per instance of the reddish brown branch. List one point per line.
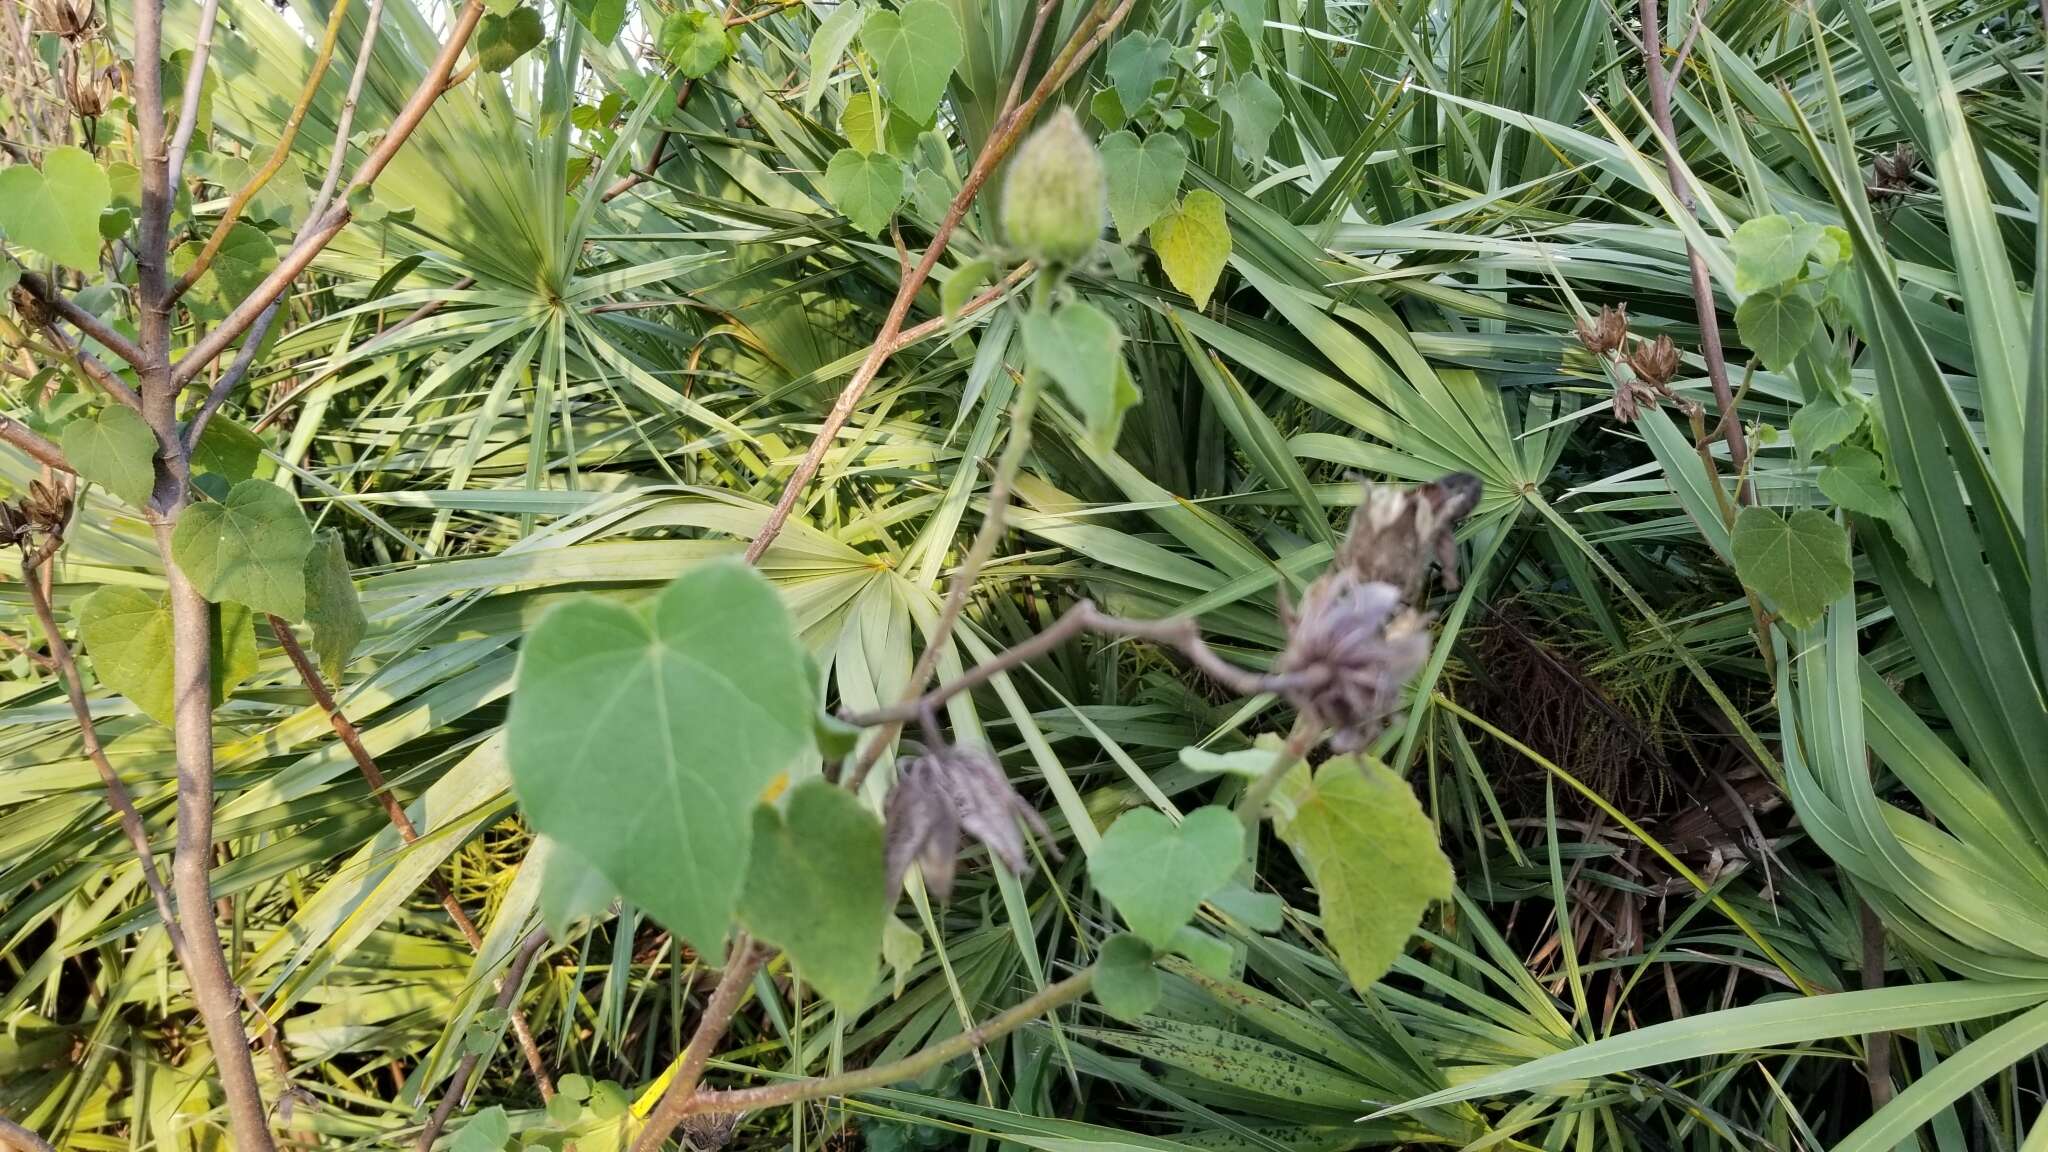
(1660, 79)
(395, 812)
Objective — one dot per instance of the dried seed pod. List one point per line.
(710, 1133)
(14, 524)
(1055, 194)
(1607, 332)
(1395, 532)
(1654, 364)
(48, 507)
(1350, 651)
(70, 19)
(35, 314)
(89, 90)
(944, 793)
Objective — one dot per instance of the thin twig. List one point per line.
(745, 960)
(1093, 29)
(240, 200)
(635, 178)
(1660, 80)
(1047, 999)
(87, 323)
(301, 255)
(352, 739)
(37, 446)
(1178, 632)
(337, 156)
(1877, 1046)
(515, 979)
(1251, 807)
(88, 735)
(195, 85)
(21, 1138)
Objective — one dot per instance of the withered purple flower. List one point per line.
(1352, 648)
(944, 793)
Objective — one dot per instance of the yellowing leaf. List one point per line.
(1193, 242)
(1372, 854)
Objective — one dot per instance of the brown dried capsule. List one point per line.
(88, 90)
(1395, 532)
(1607, 332)
(47, 506)
(14, 525)
(70, 19)
(1654, 364)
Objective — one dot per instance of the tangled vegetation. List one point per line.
(1059, 574)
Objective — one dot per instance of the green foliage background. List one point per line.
(502, 389)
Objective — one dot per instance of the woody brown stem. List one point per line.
(508, 995)
(1660, 79)
(352, 739)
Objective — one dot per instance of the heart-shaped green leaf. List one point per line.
(866, 186)
(642, 738)
(114, 449)
(501, 40)
(1372, 854)
(1823, 423)
(1854, 479)
(696, 42)
(1770, 250)
(1798, 565)
(1776, 323)
(1080, 348)
(1137, 61)
(332, 607)
(250, 548)
(815, 889)
(127, 632)
(916, 49)
(1126, 983)
(56, 211)
(1193, 242)
(1157, 872)
(1255, 111)
(1143, 178)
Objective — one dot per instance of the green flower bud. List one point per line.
(1054, 197)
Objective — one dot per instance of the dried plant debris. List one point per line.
(1361, 632)
(943, 793)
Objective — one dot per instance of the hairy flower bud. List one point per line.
(1055, 194)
